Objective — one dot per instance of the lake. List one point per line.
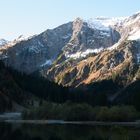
(21, 131)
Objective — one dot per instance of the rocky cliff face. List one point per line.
(80, 52)
(72, 40)
(122, 63)
(33, 53)
(86, 39)
(121, 60)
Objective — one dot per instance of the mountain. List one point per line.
(20, 91)
(119, 60)
(81, 52)
(12, 97)
(3, 42)
(67, 41)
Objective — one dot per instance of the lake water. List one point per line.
(11, 131)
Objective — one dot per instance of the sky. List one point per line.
(29, 17)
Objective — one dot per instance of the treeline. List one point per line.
(40, 87)
(19, 86)
(95, 94)
(130, 95)
(9, 90)
(82, 112)
(5, 103)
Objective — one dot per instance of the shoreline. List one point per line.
(61, 122)
(15, 117)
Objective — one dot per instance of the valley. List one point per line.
(92, 61)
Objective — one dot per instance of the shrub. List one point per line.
(76, 112)
(82, 112)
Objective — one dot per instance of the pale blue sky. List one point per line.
(34, 16)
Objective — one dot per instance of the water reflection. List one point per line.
(66, 132)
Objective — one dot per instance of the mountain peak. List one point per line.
(78, 19)
(3, 42)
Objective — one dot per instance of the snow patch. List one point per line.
(134, 35)
(3, 57)
(105, 34)
(138, 58)
(131, 20)
(82, 54)
(114, 46)
(105, 23)
(40, 44)
(34, 49)
(97, 24)
(21, 38)
(66, 36)
(90, 41)
(48, 62)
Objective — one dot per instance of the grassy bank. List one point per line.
(82, 112)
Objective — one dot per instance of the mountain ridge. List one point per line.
(78, 52)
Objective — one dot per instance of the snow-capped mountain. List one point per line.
(78, 52)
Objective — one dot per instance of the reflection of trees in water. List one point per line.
(36, 138)
(8, 132)
(66, 132)
(5, 130)
(54, 138)
(20, 135)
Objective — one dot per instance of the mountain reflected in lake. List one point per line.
(66, 132)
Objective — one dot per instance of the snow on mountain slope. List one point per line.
(129, 27)
(105, 23)
(3, 42)
(134, 35)
(47, 62)
(76, 40)
(83, 54)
